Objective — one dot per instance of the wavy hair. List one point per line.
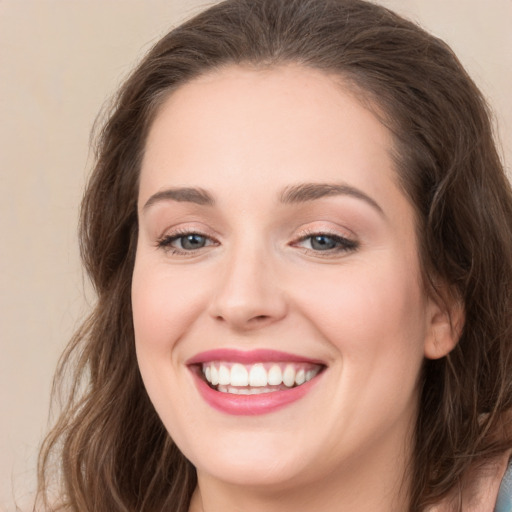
(109, 450)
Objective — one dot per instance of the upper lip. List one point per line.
(250, 356)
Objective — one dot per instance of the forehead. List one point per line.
(281, 124)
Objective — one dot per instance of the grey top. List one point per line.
(504, 503)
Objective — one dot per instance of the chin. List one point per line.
(268, 473)
(251, 460)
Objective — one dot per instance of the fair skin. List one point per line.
(327, 274)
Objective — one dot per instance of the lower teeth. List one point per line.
(249, 390)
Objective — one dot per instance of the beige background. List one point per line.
(59, 61)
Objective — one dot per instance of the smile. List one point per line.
(252, 379)
(253, 382)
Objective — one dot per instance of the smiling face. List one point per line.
(277, 255)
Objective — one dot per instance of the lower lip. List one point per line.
(252, 405)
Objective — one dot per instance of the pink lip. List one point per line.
(249, 357)
(249, 405)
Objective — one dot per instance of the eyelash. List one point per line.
(166, 241)
(343, 244)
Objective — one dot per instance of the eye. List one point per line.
(323, 242)
(327, 243)
(191, 242)
(183, 243)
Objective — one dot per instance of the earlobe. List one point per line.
(446, 321)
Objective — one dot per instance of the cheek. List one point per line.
(164, 304)
(368, 312)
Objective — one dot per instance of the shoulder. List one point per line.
(504, 501)
(488, 489)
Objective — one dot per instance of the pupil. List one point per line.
(322, 243)
(193, 242)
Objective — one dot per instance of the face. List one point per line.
(277, 260)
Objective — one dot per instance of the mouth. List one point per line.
(255, 382)
(257, 378)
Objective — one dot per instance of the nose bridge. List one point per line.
(248, 294)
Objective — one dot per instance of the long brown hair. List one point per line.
(111, 450)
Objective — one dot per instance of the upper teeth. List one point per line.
(258, 374)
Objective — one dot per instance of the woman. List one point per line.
(300, 234)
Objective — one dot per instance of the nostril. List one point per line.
(260, 318)
(250, 322)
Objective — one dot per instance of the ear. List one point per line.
(445, 317)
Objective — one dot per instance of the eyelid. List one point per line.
(171, 234)
(339, 232)
(345, 242)
(186, 228)
(349, 243)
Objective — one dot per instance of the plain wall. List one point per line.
(59, 61)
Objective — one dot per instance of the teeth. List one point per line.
(214, 375)
(237, 378)
(275, 375)
(245, 391)
(224, 375)
(289, 376)
(239, 375)
(258, 376)
(300, 377)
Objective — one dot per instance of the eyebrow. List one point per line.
(183, 194)
(304, 192)
(293, 194)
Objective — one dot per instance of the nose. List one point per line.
(248, 296)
